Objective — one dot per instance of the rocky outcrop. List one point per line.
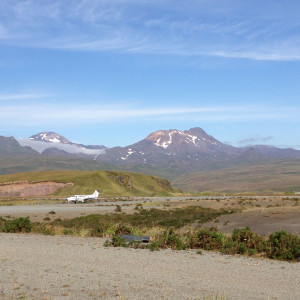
(27, 189)
(122, 179)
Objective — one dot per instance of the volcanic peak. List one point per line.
(50, 137)
(194, 136)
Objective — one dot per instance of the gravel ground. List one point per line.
(64, 267)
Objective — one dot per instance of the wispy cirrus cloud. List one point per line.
(246, 30)
(44, 114)
(255, 140)
(23, 96)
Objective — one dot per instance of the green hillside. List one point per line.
(10, 164)
(109, 183)
(281, 176)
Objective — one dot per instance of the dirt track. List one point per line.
(64, 267)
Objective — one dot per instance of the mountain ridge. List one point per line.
(165, 153)
(160, 146)
(190, 159)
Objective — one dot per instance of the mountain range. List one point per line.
(169, 153)
(188, 145)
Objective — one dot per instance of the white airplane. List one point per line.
(82, 198)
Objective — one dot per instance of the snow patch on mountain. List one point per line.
(129, 152)
(50, 137)
(164, 139)
(165, 144)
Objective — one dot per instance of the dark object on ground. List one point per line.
(135, 238)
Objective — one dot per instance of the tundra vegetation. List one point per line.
(167, 229)
(110, 183)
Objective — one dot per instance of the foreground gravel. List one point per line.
(63, 267)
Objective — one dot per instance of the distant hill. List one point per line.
(271, 175)
(109, 183)
(38, 162)
(9, 145)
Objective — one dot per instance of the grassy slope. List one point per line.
(234, 176)
(278, 176)
(10, 164)
(110, 183)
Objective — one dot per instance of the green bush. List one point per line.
(283, 245)
(117, 241)
(280, 245)
(208, 239)
(118, 208)
(153, 246)
(170, 239)
(122, 229)
(97, 232)
(67, 232)
(17, 225)
(248, 242)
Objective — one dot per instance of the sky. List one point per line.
(111, 72)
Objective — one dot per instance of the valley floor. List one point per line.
(262, 214)
(65, 267)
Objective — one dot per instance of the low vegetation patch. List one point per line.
(144, 219)
(280, 245)
(16, 225)
(166, 230)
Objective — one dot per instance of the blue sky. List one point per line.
(111, 72)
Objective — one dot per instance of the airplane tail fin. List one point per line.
(96, 194)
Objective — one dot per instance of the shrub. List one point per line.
(117, 241)
(17, 225)
(97, 232)
(118, 208)
(153, 246)
(122, 229)
(248, 240)
(67, 232)
(2, 222)
(208, 239)
(283, 245)
(169, 239)
(47, 231)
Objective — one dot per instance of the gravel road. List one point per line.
(63, 267)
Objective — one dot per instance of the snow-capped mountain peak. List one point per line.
(56, 144)
(50, 137)
(169, 138)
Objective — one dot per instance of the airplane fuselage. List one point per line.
(83, 198)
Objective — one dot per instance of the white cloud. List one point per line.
(23, 96)
(45, 114)
(42, 146)
(250, 30)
